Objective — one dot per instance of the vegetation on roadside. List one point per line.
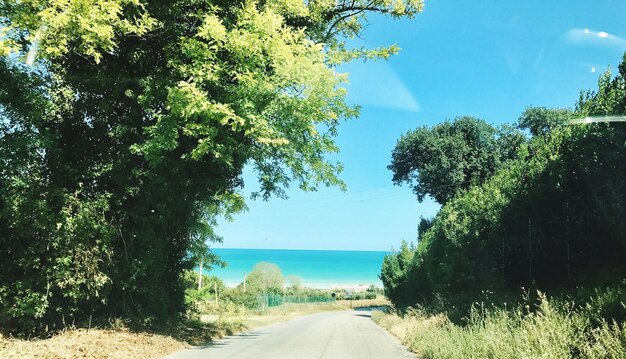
(550, 218)
(545, 212)
(559, 327)
(117, 338)
(265, 288)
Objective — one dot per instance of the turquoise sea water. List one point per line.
(316, 268)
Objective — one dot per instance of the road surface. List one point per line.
(336, 335)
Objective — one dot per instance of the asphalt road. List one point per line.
(336, 335)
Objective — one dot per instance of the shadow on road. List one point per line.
(231, 338)
(366, 312)
(382, 308)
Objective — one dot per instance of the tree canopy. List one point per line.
(541, 120)
(265, 277)
(451, 156)
(126, 125)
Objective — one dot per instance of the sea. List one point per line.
(323, 269)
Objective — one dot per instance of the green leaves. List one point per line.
(125, 136)
(450, 157)
(265, 278)
(85, 27)
(540, 120)
(548, 217)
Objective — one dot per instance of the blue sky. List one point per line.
(489, 59)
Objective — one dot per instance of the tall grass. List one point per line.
(555, 329)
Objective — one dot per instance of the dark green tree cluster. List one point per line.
(452, 156)
(125, 126)
(550, 218)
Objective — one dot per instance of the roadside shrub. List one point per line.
(555, 329)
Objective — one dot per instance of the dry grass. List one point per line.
(403, 327)
(117, 339)
(553, 331)
(378, 302)
(94, 343)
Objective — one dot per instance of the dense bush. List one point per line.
(198, 298)
(556, 328)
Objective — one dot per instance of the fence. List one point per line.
(265, 301)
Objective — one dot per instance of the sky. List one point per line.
(488, 59)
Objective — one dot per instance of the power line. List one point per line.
(355, 201)
(286, 210)
(337, 195)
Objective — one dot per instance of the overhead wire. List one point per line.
(283, 211)
(585, 120)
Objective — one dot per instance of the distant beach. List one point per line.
(323, 269)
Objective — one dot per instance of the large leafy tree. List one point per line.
(126, 125)
(443, 160)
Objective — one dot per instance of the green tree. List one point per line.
(212, 286)
(541, 120)
(395, 273)
(423, 226)
(126, 126)
(265, 278)
(610, 97)
(444, 160)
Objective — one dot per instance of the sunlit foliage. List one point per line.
(126, 125)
